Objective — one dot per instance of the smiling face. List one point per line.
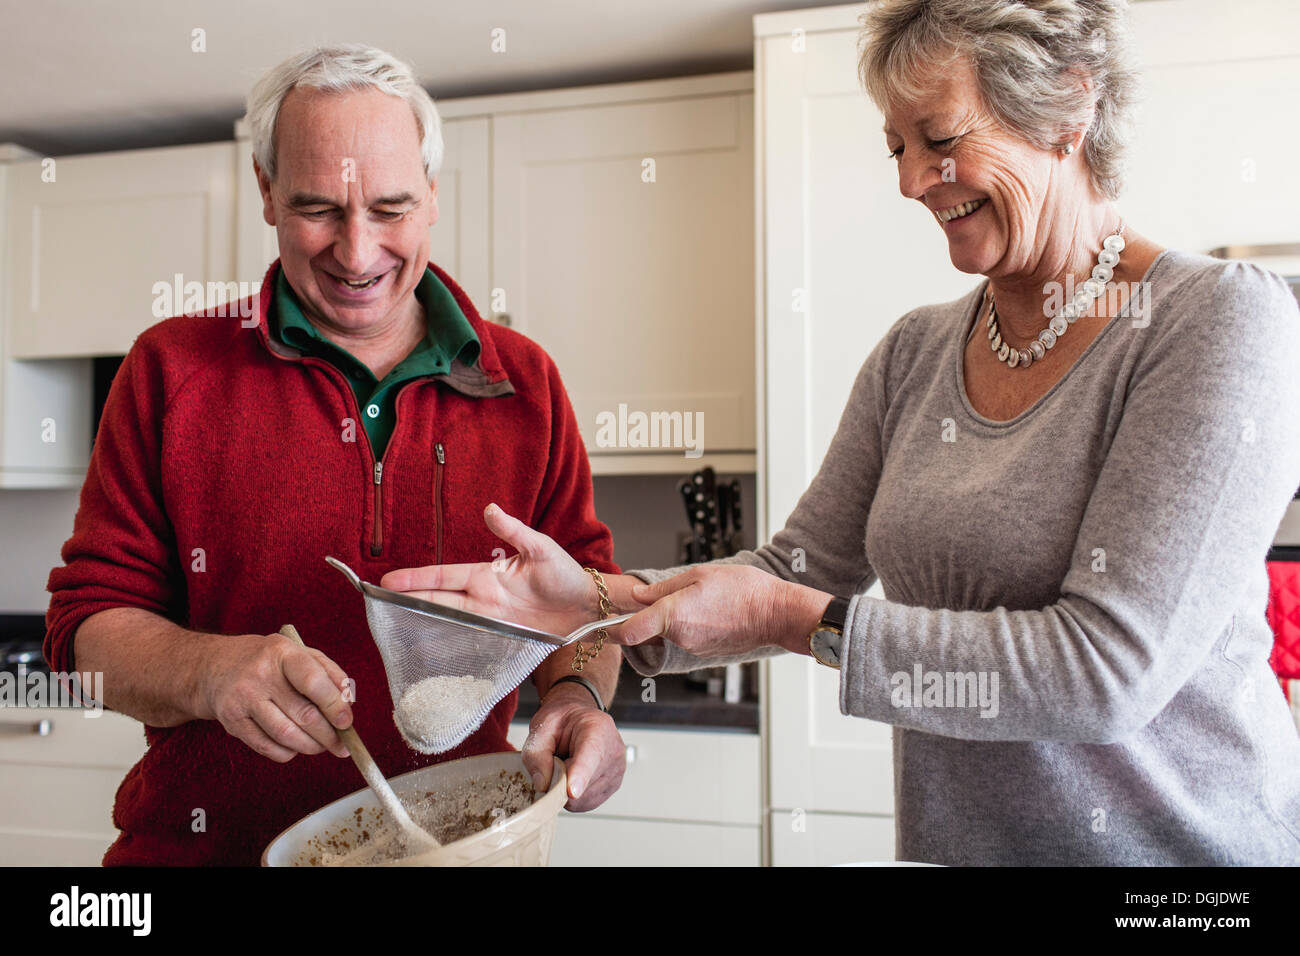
(351, 207)
(996, 196)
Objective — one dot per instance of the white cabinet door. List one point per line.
(697, 776)
(57, 788)
(87, 249)
(845, 256)
(827, 839)
(623, 242)
(585, 840)
(45, 406)
(688, 798)
(700, 776)
(460, 241)
(820, 759)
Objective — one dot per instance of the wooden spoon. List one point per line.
(418, 839)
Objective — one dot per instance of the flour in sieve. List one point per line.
(437, 713)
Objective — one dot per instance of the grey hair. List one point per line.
(1027, 56)
(341, 69)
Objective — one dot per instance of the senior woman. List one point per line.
(1066, 482)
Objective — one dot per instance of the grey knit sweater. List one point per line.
(1073, 649)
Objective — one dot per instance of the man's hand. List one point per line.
(568, 725)
(280, 699)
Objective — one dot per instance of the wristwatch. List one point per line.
(826, 642)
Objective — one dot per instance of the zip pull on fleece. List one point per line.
(437, 501)
(377, 542)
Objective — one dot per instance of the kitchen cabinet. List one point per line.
(830, 839)
(57, 786)
(45, 407)
(86, 241)
(87, 249)
(688, 798)
(623, 243)
(583, 839)
(614, 225)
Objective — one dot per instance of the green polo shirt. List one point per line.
(449, 335)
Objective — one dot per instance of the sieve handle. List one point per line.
(593, 627)
(352, 575)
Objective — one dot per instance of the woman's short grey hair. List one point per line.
(341, 69)
(1026, 56)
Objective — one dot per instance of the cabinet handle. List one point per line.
(15, 728)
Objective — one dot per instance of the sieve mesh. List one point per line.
(415, 645)
(418, 640)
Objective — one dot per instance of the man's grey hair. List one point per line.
(1027, 56)
(341, 69)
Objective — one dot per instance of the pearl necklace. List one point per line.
(1091, 289)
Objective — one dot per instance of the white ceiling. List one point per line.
(87, 75)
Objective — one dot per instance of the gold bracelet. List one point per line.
(580, 653)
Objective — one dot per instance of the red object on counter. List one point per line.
(223, 473)
(1284, 619)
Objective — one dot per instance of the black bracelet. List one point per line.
(574, 678)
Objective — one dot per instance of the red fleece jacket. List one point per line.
(221, 478)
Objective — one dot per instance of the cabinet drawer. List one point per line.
(69, 800)
(51, 849)
(57, 789)
(73, 739)
(688, 775)
(582, 839)
(825, 839)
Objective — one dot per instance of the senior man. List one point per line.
(371, 414)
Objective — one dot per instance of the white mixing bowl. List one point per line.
(523, 839)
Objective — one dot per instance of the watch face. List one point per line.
(825, 645)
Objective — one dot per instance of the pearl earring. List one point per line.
(1067, 149)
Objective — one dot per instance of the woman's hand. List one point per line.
(540, 587)
(719, 610)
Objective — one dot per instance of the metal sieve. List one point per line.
(418, 639)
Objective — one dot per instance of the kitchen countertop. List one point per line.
(677, 705)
